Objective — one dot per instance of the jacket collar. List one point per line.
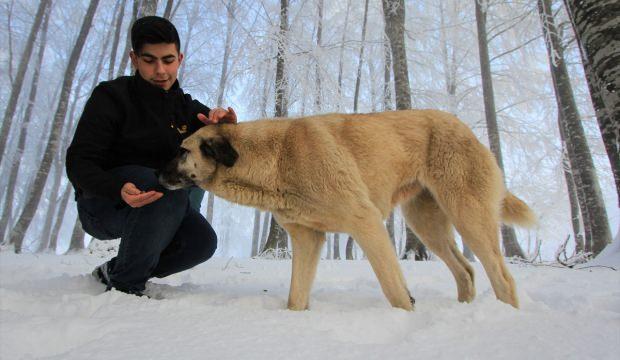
(150, 91)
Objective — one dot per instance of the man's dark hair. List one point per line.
(153, 30)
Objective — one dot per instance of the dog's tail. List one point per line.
(515, 211)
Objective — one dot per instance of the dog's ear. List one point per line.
(220, 149)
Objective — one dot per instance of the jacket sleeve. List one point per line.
(197, 108)
(91, 147)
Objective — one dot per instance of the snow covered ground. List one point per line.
(50, 308)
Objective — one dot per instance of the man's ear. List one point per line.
(220, 149)
(134, 59)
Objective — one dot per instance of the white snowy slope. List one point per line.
(236, 309)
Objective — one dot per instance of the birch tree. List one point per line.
(360, 60)
(341, 55)
(18, 233)
(596, 26)
(277, 238)
(579, 153)
(509, 238)
(16, 87)
(7, 208)
(336, 251)
(571, 188)
(49, 234)
(125, 55)
(224, 74)
(147, 8)
(317, 64)
(119, 13)
(168, 9)
(394, 18)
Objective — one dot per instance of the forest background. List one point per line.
(278, 58)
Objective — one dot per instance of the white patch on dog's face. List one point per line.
(193, 164)
(198, 160)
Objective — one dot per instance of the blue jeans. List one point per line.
(157, 240)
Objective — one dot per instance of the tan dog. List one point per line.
(345, 173)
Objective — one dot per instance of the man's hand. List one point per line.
(136, 198)
(219, 115)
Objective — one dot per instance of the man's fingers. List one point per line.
(212, 115)
(149, 199)
(231, 115)
(144, 198)
(206, 120)
(218, 114)
(130, 189)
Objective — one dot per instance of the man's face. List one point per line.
(158, 64)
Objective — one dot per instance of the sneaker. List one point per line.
(100, 273)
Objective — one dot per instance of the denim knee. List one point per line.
(208, 245)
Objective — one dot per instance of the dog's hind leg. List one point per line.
(478, 224)
(431, 224)
(373, 238)
(307, 244)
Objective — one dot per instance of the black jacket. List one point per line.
(128, 121)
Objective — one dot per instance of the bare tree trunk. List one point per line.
(174, 10)
(147, 8)
(77, 237)
(414, 247)
(9, 31)
(360, 61)
(596, 26)
(125, 55)
(18, 233)
(387, 105)
(264, 232)
(281, 106)
(389, 224)
(387, 75)
(349, 248)
(394, 14)
(49, 236)
(62, 209)
(579, 152)
(336, 255)
(16, 87)
(277, 239)
(117, 35)
(255, 233)
(341, 57)
(230, 10)
(7, 208)
(168, 10)
(277, 236)
(328, 244)
(193, 18)
(59, 165)
(571, 188)
(317, 67)
(509, 238)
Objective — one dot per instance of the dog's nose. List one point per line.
(157, 173)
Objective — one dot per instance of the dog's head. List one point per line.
(198, 159)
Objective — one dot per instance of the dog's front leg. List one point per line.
(307, 244)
